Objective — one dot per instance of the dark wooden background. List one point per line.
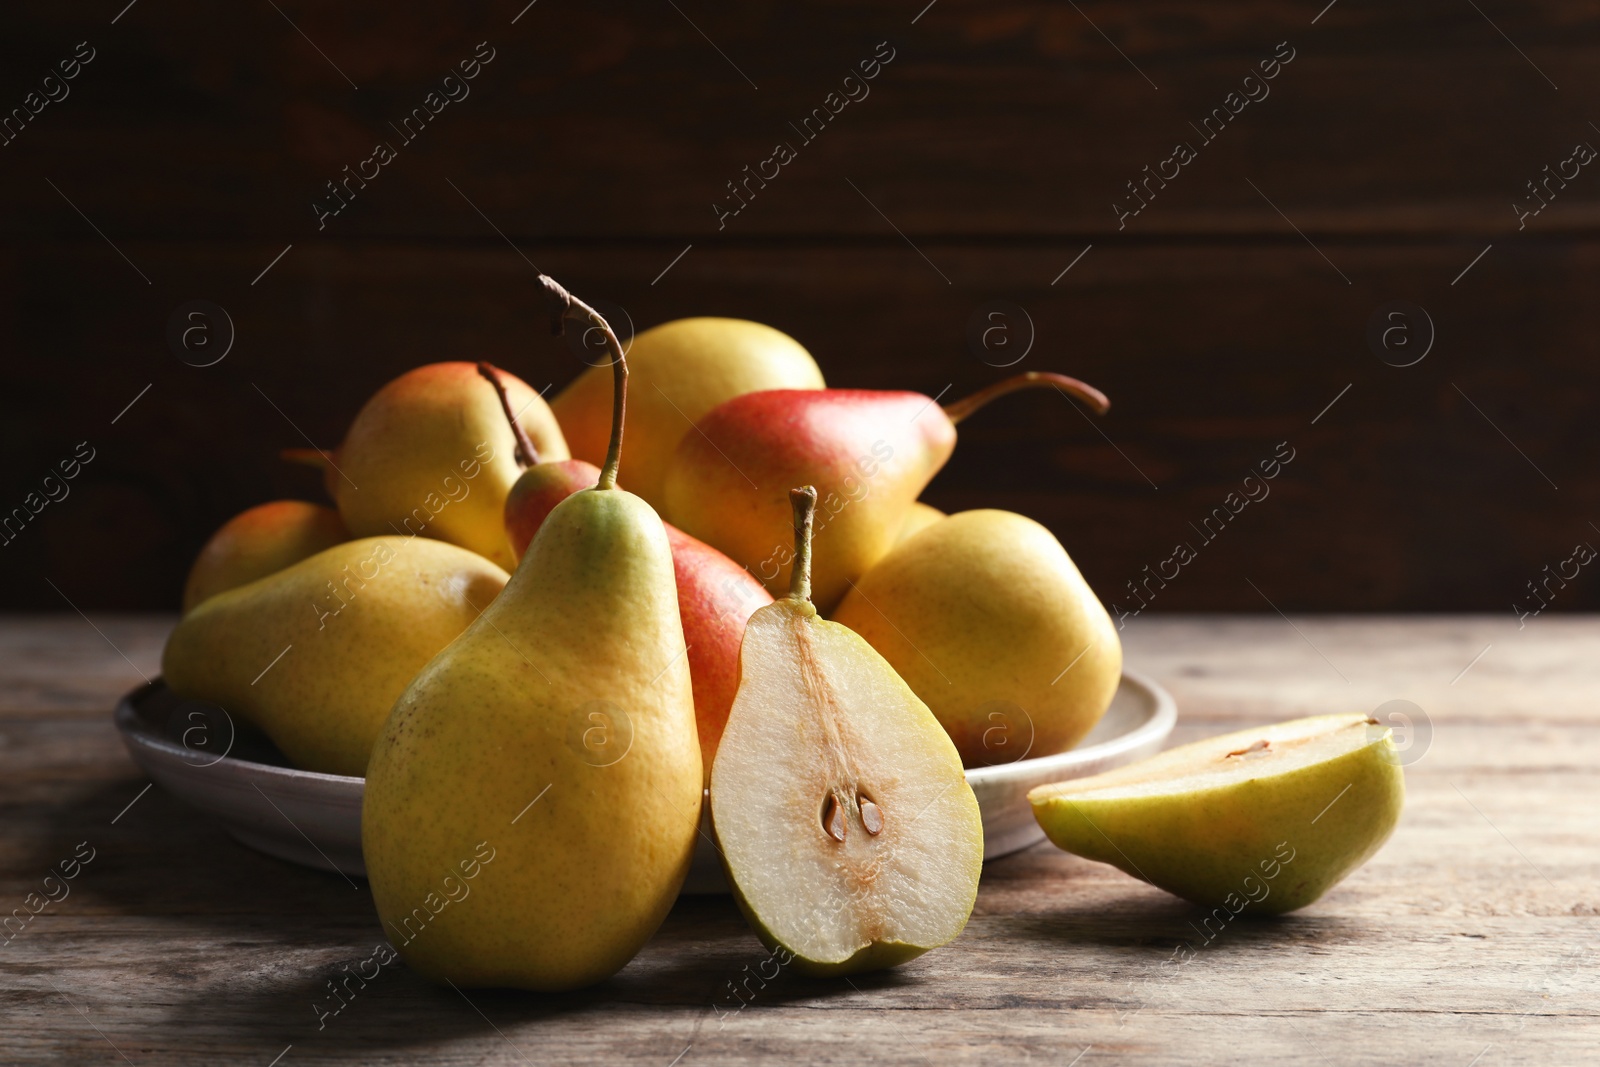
(996, 140)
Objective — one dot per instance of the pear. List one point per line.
(536, 493)
(1269, 818)
(434, 453)
(868, 452)
(716, 597)
(316, 654)
(715, 594)
(260, 541)
(558, 734)
(987, 619)
(919, 517)
(846, 825)
(680, 370)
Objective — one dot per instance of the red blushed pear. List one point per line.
(716, 597)
(536, 493)
(715, 594)
(260, 541)
(681, 370)
(868, 452)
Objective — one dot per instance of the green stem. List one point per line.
(804, 501)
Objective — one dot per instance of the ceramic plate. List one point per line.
(202, 756)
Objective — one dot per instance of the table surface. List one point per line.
(1470, 939)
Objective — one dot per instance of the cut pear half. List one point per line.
(1267, 819)
(846, 824)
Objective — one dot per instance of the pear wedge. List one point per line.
(1269, 818)
(846, 824)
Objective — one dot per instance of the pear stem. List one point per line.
(1032, 379)
(307, 457)
(527, 455)
(568, 306)
(804, 501)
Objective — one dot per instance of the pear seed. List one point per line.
(1256, 749)
(833, 818)
(871, 816)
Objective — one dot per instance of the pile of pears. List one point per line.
(496, 628)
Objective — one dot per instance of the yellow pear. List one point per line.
(846, 825)
(260, 541)
(987, 619)
(918, 518)
(680, 370)
(316, 654)
(434, 453)
(557, 736)
(1267, 819)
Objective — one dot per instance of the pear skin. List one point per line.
(846, 825)
(432, 453)
(1269, 818)
(715, 594)
(316, 654)
(716, 597)
(558, 731)
(536, 493)
(260, 541)
(918, 518)
(987, 619)
(680, 370)
(582, 655)
(868, 452)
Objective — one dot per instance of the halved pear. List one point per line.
(846, 824)
(1269, 818)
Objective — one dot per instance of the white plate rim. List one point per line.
(1159, 725)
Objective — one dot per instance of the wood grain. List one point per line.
(1015, 118)
(1472, 934)
(1222, 318)
(1423, 486)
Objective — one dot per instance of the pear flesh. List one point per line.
(845, 821)
(316, 654)
(559, 731)
(1268, 818)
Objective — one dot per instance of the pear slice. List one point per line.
(1269, 818)
(846, 824)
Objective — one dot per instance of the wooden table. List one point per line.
(1470, 939)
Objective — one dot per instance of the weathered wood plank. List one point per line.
(1472, 930)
